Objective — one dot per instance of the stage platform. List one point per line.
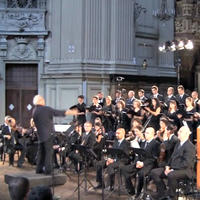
(39, 179)
(64, 192)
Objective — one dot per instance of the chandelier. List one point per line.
(163, 14)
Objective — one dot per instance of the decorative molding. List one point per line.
(22, 21)
(22, 51)
(40, 46)
(3, 46)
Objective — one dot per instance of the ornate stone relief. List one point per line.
(22, 51)
(187, 18)
(22, 21)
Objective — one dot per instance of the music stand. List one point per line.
(84, 152)
(116, 154)
(145, 154)
(65, 130)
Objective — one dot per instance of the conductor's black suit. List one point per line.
(43, 119)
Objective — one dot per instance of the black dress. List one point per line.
(107, 118)
(173, 118)
(154, 122)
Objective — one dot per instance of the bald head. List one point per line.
(149, 133)
(120, 133)
(184, 133)
(38, 100)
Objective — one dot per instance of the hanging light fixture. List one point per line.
(163, 14)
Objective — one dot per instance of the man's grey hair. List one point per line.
(36, 99)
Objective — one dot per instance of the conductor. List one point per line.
(43, 119)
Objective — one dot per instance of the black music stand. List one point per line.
(117, 154)
(144, 154)
(84, 152)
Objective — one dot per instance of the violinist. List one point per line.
(136, 137)
(167, 146)
(163, 124)
(14, 144)
(100, 140)
(31, 142)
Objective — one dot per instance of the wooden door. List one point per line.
(21, 87)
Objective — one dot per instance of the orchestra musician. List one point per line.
(31, 142)
(142, 164)
(13, 142)
(88, 140)
(168, 144)
(4, 128)
(113, 163)
(163, 124)
(180, 166)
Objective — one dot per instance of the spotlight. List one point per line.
(189, 45)
(173, 46)
(180, 45)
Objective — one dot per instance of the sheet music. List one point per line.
(61, 127)
(135, 144)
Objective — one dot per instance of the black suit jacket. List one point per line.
(125, 146)
(169, 146)
(183, 158)
(152, 152)
(168, 99)
(159, 97)
(43, 119)
(5, 130)
(181, 101)
(88, 140)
